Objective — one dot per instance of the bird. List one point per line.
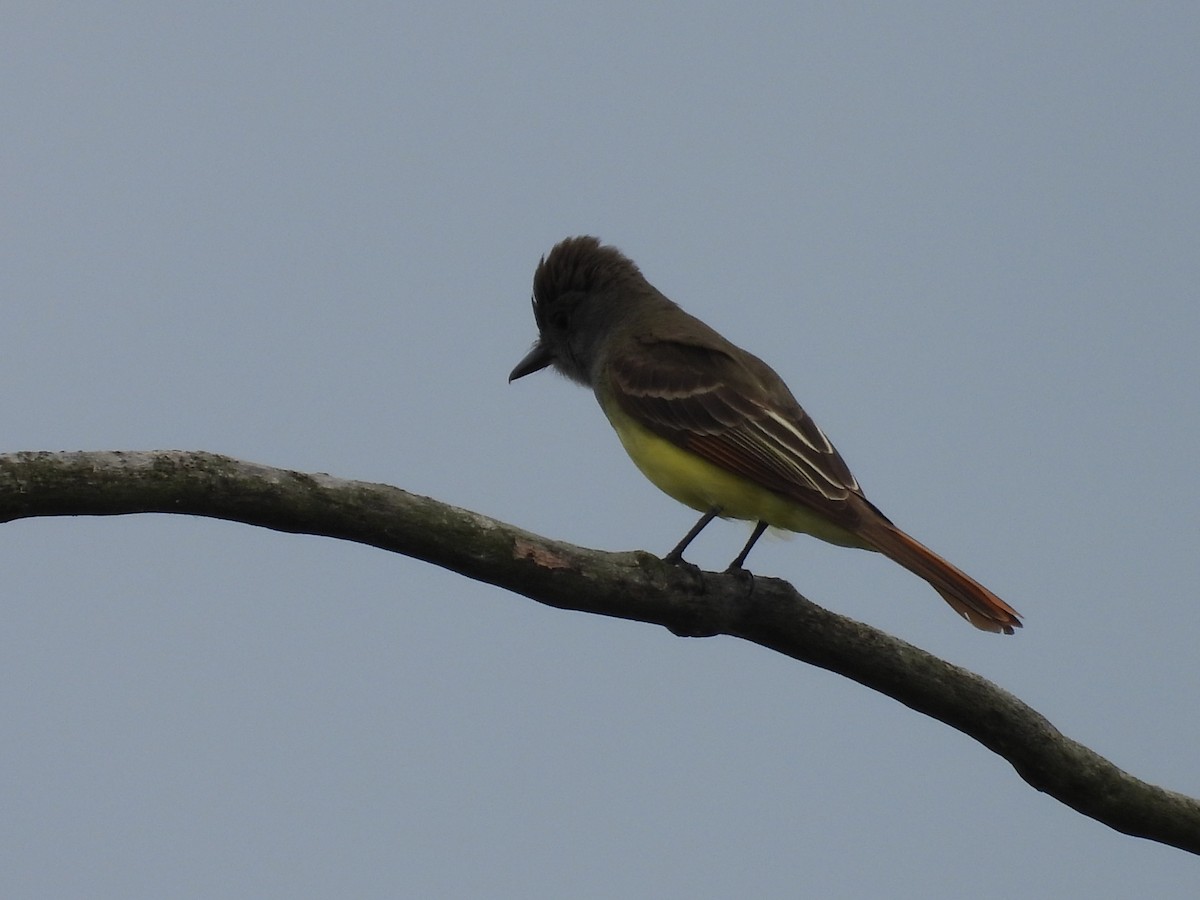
(712, 425)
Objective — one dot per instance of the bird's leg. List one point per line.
(675, 557)
(736, 565)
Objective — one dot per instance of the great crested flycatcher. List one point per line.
(712, 425)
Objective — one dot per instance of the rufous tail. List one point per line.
(966, 596)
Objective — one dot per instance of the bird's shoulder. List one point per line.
(680, 355)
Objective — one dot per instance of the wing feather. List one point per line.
(705, 400)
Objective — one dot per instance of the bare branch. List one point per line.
(636, 586)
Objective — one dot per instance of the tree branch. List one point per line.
(635, 585)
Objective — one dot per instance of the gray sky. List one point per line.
(303, 234)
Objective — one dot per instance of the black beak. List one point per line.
(535, 360)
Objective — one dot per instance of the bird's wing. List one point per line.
(736, 414)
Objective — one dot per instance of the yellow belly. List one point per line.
(702, 485)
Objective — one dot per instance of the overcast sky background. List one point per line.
(304, 234)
